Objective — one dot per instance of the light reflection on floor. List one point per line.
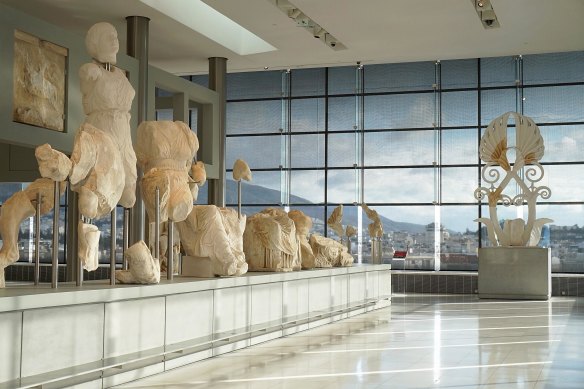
(421, 341)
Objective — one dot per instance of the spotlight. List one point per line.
(294, 13)
(318, 32)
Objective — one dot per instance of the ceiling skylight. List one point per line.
(205, 20)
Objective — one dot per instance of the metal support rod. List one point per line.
(170, 251)
(239, 199)
(55, 262)
(37, 240)
(113, 247)
(157, 225)
(126, 237)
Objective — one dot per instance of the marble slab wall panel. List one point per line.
(266, 306)
(339, 294)
(295, 303)
(188, 317)
(357, 291)
(10, 336)
(231, 312)
(133, 325)
(39, 82)
(384, 288)
(58, 338)
(319, 290)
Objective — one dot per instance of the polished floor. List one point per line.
(421, 341)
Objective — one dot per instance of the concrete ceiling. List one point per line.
(374, 31)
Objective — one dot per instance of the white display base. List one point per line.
(106, 335)
(522, 273)
(200, 267)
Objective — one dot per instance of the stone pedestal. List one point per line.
(515, 273)
(197, 267)
(376, 257)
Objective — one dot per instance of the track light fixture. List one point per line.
(486, 13)
(303, 20)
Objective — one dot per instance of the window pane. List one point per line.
(460, 239)
(495, 103)
(307, 151)
(342, 80)
(308, 82)
(566, 235)
(499, 71)
(203, 195)
(459, 74)
(253, 117)
(341, 114)
(410, 228)
(563, 143)
(307, 115)
(566, 182)
(7, 189)
(459, 184)
(263, 189)
(341, 186)
(460, 146)
(553, 68)
(260, 152)
(399, 111)
(397, 77)
(341, 150)
(399, 148)
(459, 109)
(193, 120)
(307, 186)
(254, 85)
(164, 114)
(554, 104)
(414, 185)
(202, 80)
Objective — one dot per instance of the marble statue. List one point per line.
(97, 174)
(165, 152)
(143, 268)
(88, 250)
(376, 226)
(270, 242)
(335, 221)
(241, 171)
(107, 100)
(18, 208)
(495, 152)
(199, 177)
(303, 224)
(52, 163)
(163, 245)
(217, 234)
(329, 253)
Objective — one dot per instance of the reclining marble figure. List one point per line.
(270, 242)
(17, 208)
(329, 253)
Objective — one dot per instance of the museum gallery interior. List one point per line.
(291, 193)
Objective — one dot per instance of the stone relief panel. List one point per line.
(39, 82)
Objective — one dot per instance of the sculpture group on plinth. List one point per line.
(514, 268)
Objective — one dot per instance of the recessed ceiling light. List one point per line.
(209, 22)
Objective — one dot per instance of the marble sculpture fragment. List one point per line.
(270, 242)
(52, 163)
(303, 224)
(20, 206)
(143, 268)
(335, 221)
(329, 253)
(215, 233)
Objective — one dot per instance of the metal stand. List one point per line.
(126, 237)
(375, 250)
(113, 248)
(37, 240)
(157, 225)
(170, 252)
(55, 262)
(239, 199)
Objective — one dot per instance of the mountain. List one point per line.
(261, 195)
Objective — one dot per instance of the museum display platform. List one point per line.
(522, 273)
(100, 335)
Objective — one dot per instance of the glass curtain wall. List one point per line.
(403, 138)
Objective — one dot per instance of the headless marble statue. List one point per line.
(17, 208)
(270, 242)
